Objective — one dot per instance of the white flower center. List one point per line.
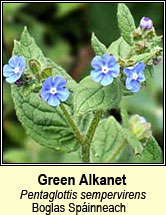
(16, 69)
(135, 76)
(53, 90)
(105, 69)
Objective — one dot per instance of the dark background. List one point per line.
(63, 32)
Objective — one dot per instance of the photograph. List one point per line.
(82, 83)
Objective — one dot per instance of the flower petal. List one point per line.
(63, 94)
(13, 61)
(128, 71)
(106, 80)
(135, 86)
(109, 60)
(45, 94)
(114, 71)
(139, 67)
(13, 78)
(53, 100)
(48, 83)
(7, 71)
(141, 77)
(96, 75)
(128, 83)
(59, 82)
(97, 63)
(21, 63)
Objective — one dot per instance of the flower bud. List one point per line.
(19, 83)
(35, 66)
(146, 23)
(140, 128)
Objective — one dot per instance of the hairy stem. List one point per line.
(89, 137)
(125, 117)
(72, 124)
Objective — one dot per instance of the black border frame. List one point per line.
(83, 164)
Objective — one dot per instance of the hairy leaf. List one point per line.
(152, 153)
(145, 58)
(92, 96)
(119, 48)
(125, 22)
(108, 142)
(98, 47)
(134, 143)
(114, 144)
(45, 124)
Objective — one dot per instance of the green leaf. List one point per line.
(58, 70)
(108, 142)
(125, 22)
(83, 121)
(113, 144)
(134, 143)
(45, 124)
(145, 58)
(98, 47)
(28, 48)
(153, 148)
(92, 96)
(119, 48)
(152, 153)
(34, 66)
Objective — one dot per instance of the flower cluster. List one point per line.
(106, 69)
(53, 91)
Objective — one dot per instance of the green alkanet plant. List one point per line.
(69, 117)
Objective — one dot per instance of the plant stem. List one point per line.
(125, 117)
(89, 137)
(72, 124)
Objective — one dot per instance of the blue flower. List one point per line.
(14, 69)
(105, 69)
(53, 90)
(135, 75)
(146, 23)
